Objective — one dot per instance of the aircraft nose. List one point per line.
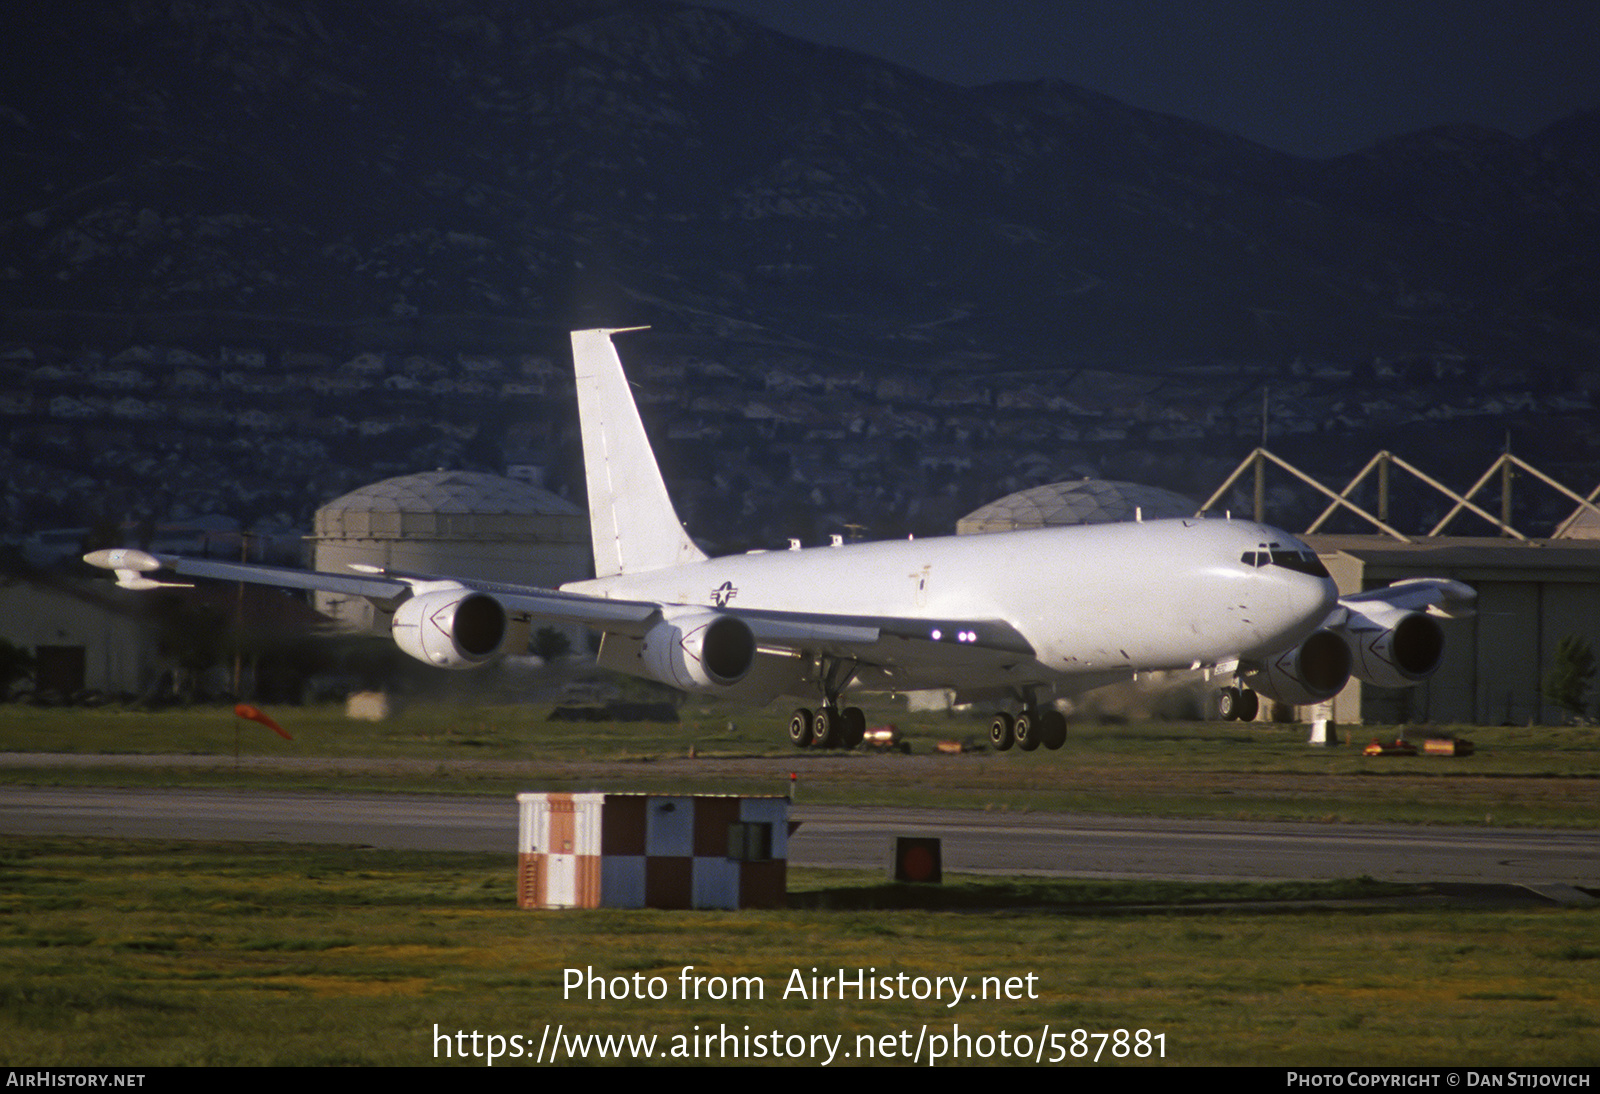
(1313, 598)
(1301, 603)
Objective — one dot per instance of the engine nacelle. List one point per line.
(450, 628)
(700, 651)
(1315, 670)
(1394, 648)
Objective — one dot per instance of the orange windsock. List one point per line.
(245, 710)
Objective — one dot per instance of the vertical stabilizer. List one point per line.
(631, 518)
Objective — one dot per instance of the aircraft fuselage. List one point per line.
(1107, 598)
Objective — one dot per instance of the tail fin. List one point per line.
(631, 518)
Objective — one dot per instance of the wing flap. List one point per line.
(630, 617)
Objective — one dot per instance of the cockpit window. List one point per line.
(1302, 562)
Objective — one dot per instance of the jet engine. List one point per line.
(1313, 671)
(699, 651)
(450, 628)
(1394, 648)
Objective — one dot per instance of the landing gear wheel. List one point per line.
(1249, 705)
(825, 728)
(1028, 730)
(1052, 731)
(1002, 732)
(853, 727)
(800, 728)
(1229, 701)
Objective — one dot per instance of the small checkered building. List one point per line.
(651, 851)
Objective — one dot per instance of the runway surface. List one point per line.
(975, 842)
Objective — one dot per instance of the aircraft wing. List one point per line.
(887, 642)
(131, 568)
(851, 636)
(387, 587)
(858, 634)
(868, 640)
(1431, 595)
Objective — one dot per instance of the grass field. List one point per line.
(1542, 776)
(137, 953)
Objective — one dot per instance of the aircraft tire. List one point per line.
(1052, 729)
(1228, 702)
(801, 730)
(1027, 731)
(853, 727)
(1249, 705)
(825, 728)
(1002, 732)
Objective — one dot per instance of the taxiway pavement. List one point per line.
(857, 837)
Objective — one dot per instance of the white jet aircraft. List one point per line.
(1015, 616)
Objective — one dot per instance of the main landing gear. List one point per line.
(830, 727)
(1030, 729)
(1238, 704)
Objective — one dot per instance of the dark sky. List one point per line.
(1314, 77)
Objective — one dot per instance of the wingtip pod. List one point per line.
(1459, 600)
(1439, 596)
(123, 558)
(130, 566)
